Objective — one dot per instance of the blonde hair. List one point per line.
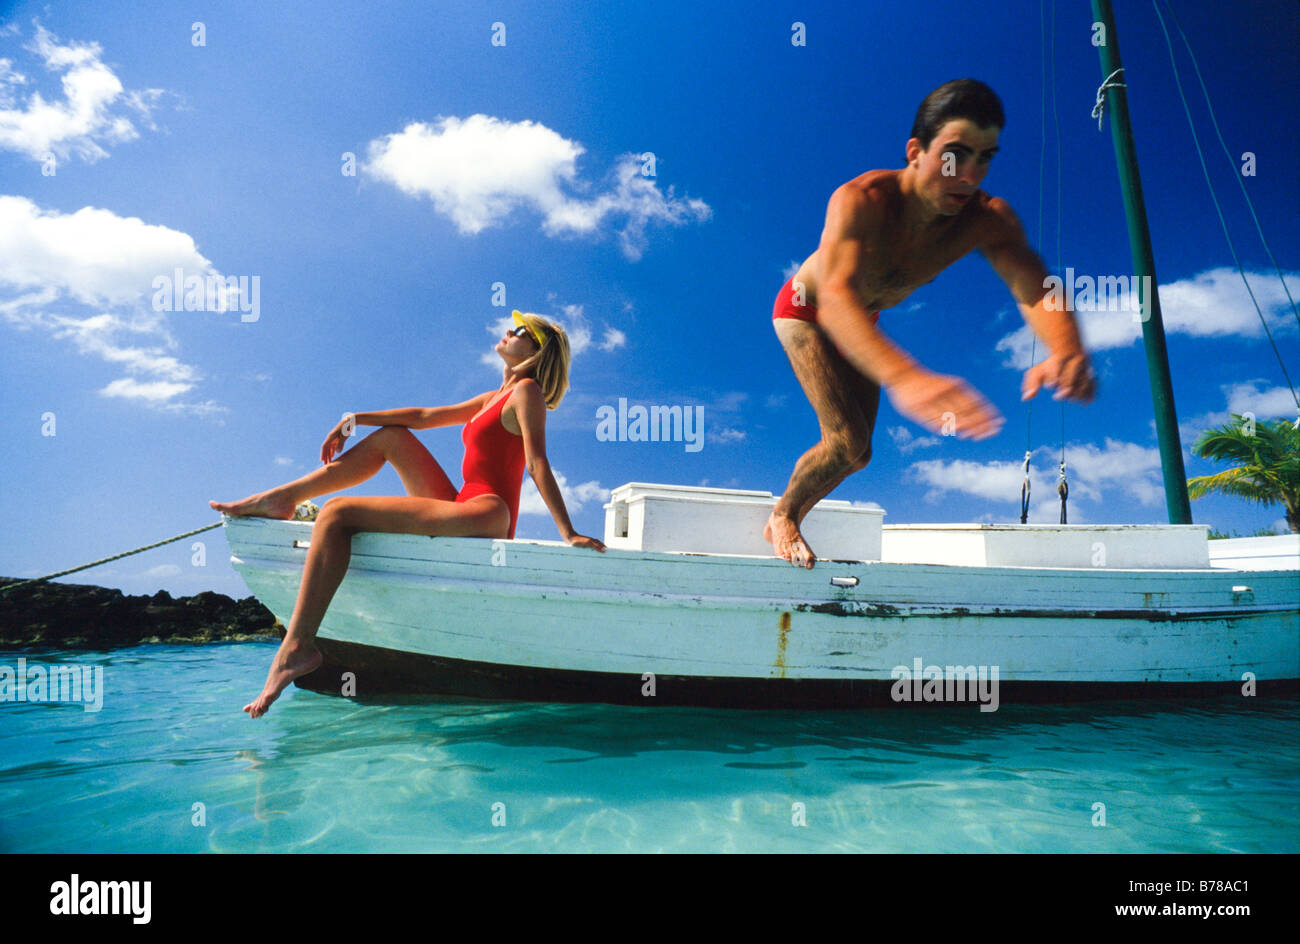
(549, 366)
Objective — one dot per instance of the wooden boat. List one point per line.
(688, 607)
(893, 615)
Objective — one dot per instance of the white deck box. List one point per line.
(644, 517)
(1112, 546)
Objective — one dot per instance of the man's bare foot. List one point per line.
(788, 542)
(272, 504)
(291, 661)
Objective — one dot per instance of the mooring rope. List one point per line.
(73, 570)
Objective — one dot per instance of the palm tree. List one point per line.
(1269, 469)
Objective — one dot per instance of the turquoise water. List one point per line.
(323, 774)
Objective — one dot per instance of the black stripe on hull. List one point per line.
(389, 672)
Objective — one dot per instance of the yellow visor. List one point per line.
(537, 335)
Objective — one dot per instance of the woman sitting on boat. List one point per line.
(505, 432)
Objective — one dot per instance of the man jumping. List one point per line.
(887, 233)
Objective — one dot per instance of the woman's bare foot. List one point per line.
(292, 661)
(272, 504)
(788, 542)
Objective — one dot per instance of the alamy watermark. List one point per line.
(73, 684)
(208, 292)
(78, 897)
(651, 424)
(946, 683)
(1103, 293)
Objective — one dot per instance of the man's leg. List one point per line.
(867, 393)
(845, 403)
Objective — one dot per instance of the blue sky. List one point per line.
(479, 163)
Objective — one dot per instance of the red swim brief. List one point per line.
(785, 306)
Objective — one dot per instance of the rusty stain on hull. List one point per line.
(782, 637)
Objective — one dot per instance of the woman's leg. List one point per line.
(420, 473)
(331, 550)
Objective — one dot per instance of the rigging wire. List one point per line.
(1048, 47)
(1232, 163)
(1061, 488)
(1217, 208)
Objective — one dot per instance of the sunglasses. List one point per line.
(523, 332)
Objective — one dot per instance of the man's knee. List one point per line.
(850, 447)
(861, 461)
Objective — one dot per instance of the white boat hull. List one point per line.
(542, 621)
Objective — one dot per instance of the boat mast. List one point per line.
(1139, 237)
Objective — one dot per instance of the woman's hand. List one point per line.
(581, 540)
(333, 444)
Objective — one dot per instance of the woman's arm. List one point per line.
(417, 417)
(530, 410)
(411, 417)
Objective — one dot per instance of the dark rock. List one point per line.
(65, 616)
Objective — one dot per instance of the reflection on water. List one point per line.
(171, 748)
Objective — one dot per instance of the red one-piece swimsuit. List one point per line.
(494, 460)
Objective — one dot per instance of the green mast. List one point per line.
(1139, 237)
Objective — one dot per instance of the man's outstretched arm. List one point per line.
(1067, 367)
(937, 402)
(852, 223)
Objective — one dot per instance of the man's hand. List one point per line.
(1069, 372)
(945, 405)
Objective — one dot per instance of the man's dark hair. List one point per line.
(960, 98)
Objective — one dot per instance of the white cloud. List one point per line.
(1128, 467)
(93, 255)
(1216, 303)
(1267, 403)
(790, 269)
(282, 460)
(867, 504)
(93, 336)
(730, 402)
(95, 261)
(905, 442)
(156, 391)
(995, 481)
(478, 170)
(575, 325)
(575, 496)
(1091, 471)
(92, 113)
(1212, 304)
